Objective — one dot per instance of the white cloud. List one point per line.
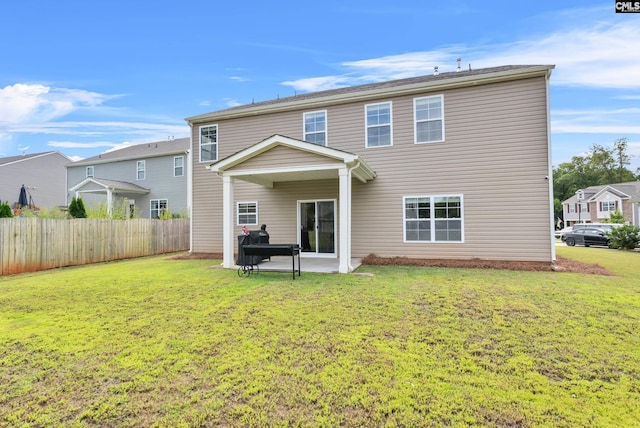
(77, 145)
(588, 53)
(24, 102)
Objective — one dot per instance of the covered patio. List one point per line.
(313, 162)
(109, 188)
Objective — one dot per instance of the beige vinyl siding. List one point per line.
(283, 157)
(494, 155)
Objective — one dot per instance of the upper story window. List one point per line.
(315, 127)
(178, 166)
(140, 170)
(379, 127)
(433, 218)
(608, 206)
(429, 119)
(209, 143)
(247, 213)
(89, 171)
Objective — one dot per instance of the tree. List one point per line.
(76, 208)
(5, 210)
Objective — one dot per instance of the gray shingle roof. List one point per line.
(11, 159)
(630, 188)
(426, 79)
(139, 151)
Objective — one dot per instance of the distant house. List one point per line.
(42, 174)
(596, 203)
(451, 165)
(147, 179)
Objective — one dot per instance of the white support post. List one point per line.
(227, 222)
(344, 257)
(109, 203)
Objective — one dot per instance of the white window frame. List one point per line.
(246, 213)
(583, 207)
(572, 208)
(306, 133)
(214, 144)
(607, 205)
(432, 219)
(416, 121)
(90, 171)
(181, 166)
(141, 167)
(159, 209)
(378, 125)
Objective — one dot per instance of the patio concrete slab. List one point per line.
(307, 264)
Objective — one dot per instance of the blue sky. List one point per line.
(83, 77)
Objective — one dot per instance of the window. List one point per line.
(608, 206)
(247, 213)
(178, 166)
(583, 207)
(89, 171)
(429, 119)
(433, 218)
(572, 208)
(158, 207)
(140, 167)
(209, 143)
(315, 127)
(378, 118)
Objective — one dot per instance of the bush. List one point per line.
(625, 237)
(615, 217)
(76, 208)
(5, 210)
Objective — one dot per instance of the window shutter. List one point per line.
(616, 205)
(588, 206)
(600, 205)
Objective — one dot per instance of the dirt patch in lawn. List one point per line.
(561, 265)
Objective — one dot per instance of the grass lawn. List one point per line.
(157, 342)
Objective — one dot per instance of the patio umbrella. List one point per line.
(22, 199)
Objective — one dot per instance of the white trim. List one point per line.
(174, 165)
(415, 119)
(227, 222)
(366, 124)
(217, 143)
(432, 219)
(238, 223)
(93, 171)
(159, 209)
(144, 170)
(326, 126)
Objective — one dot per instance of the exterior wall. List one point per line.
(159, 180)
(43, 176)
(495, 154)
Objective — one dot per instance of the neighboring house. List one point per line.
(596, 203)
(451, 165)
(144, 178)
(42, 174)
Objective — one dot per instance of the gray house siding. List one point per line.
(495, 155)
(159, 179)
(43, 175)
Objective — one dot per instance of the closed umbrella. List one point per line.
(22, 199)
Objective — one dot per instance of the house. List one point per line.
(42, 174)
(596, 203)
(451, 165)
(145, 179)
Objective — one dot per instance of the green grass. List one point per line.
(156, 342)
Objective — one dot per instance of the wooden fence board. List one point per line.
(32, 244)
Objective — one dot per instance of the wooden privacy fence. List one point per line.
(32, 244)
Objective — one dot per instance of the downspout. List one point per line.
(190, 186)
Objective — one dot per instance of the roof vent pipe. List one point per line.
(459, 68)
(435, 70)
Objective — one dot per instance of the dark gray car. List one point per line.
(588, 236)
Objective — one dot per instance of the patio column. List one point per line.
(344, 257)
(109, 202)
(227, 222)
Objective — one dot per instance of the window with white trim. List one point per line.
(379, 126)
(429, 119)
(89, 171)
(208, 143)
(247, 213)
(606, 206)
(433, 218)
(158, 206)
(178, 166)
(315, 127)
(572, 208)
(140, 170)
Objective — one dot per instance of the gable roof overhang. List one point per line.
(331, 161)
(104, 186)
(609, 189)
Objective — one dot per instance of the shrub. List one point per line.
(76, 208)
(615, 217)
(5, 210)
(625, 237)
